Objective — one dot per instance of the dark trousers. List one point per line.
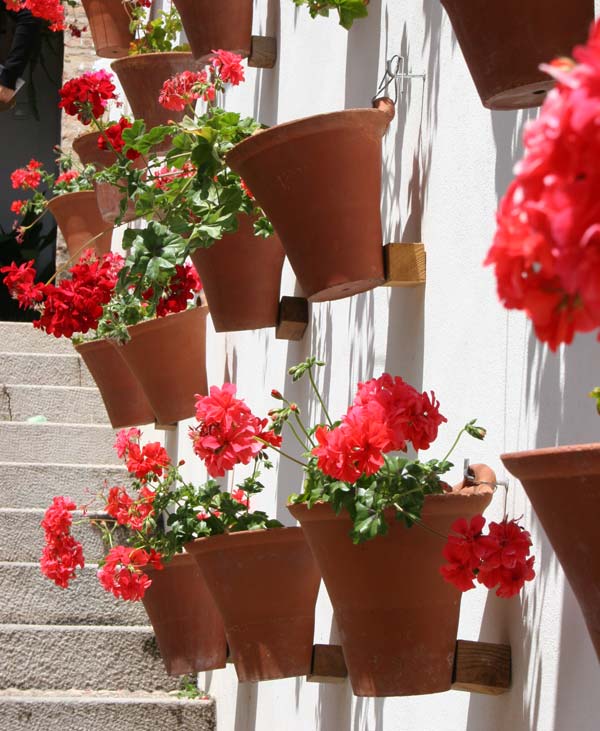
(27, 31)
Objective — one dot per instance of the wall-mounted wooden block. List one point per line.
(482, 667)
(293, 318)
(405, 265)
(328, 665)
(264, 52)
(479, 667)
(165, 427)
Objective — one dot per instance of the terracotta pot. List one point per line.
(168, 357)
(265, 584)
(563, 484)
(109, 25)
(396, 615)
(80, 223)
(505, 41)
(319, 182)
(241, 276)
(108, 196)
(142, 77)
(124, 399)
(217, 24)
(187, 624)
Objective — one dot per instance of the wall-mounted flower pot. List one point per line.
(505, 41)
(265, 584)
(217, 24)
(124, 399)
(79, 220)
(397, 616)
(187, 624)
(168, 357)
(319, 182)
(563, 484)
(108, 196)
(241, 277)
(109, 25)
(142, 77)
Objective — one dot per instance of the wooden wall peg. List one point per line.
(479, 667)
(264, 52)
(405, 265)
(165, 427)
(293, 318)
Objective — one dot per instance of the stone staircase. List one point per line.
(76, 659)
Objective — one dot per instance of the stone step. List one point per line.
(22, 537)
(28, 597)
(49, 442)
(76, 710)
(69, 404)
(84, 657)
(44, 369)
(24, 338)
(29, 485)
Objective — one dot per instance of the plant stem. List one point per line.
(281, 452)
(418, 521)
(456, 441)
(316, 390)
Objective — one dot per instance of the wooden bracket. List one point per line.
(293, 318)
(264, 52)
(165, 427)
(405, 265)
(479, 667)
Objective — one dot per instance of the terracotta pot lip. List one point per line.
(89, 345)
(74, 194)
(136, 57)
(245, 539)
(301, 127)
(551, 462)
(157, 323)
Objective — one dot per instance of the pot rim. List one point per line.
(245, 539)
(295, 128)
(72, 194)
(158, 323)
(532, 462)
(163, 54)
(98, 344)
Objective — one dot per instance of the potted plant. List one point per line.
(505, 41)
(148, 565)
(332, 163)
(110, 22)
(262, 576)
(392, 520)
(70, 198)
(348, 10)
(545, 259)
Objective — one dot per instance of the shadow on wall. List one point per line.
(266, 90)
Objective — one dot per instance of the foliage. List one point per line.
(158, 35)
(348, 10)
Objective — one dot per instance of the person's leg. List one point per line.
(27, 31)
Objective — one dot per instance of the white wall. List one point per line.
(447, 161)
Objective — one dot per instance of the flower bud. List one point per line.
(276, 394)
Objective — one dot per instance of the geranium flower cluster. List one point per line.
(121, 573)
(228, 432)
(145, 462)
(186, 88)
(165, 175)
(50, 10)
(184, 284)
(114, 133)
(546, 251)
(74, 305)
(87, 96)
(62, 554)
(499, 560)
(27, 178)
(387, 414)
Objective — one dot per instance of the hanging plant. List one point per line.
(348, 10)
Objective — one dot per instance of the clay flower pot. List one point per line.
(108, 196)
(217, 24)
(319, 181)
(265, 584)
(142, 77)
(241, 277)
(563, 484)
(109, 25)
(397, 616)
(124, 399)
(80, 223)
(168, 357)
(505, 41)
(187, 624)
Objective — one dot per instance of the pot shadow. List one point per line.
(362, 59)
(245, 707)
(266, 89)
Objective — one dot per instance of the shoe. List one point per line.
(7, 98)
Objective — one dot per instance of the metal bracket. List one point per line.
(395, 72)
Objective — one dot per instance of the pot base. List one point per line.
(346, 289)
(520, 97)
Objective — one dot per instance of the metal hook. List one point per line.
(469, 475)
(395, 72)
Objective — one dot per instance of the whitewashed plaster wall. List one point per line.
(447, 161)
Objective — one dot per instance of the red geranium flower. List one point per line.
(149, 460)
(122, 575)
(114, 132)
(27, 178)
(62, 554)
(229, 67)
(185, 89)
(87, 96)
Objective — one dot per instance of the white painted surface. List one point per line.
(447, 162)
